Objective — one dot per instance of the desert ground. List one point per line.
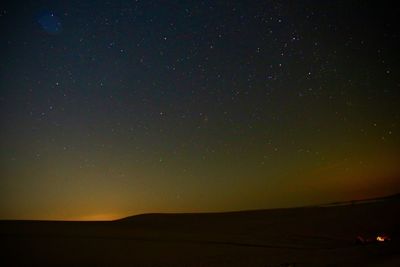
(308, 236)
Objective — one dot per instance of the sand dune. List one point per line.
(309, 236)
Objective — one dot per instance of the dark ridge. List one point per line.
(394, 197)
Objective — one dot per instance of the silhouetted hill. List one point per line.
(150, 216)
(305, 236)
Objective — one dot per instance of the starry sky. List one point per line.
(115, 108)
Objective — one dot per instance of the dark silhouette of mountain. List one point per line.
(305, 236)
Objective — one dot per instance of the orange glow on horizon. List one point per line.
(99, 217)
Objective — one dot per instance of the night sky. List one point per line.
(114, 108)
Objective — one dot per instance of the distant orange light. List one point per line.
(382, 238)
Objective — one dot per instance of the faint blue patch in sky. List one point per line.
(49, 22)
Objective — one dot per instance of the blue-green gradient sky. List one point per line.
(113, 108)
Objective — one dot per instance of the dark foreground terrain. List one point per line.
(310, 236)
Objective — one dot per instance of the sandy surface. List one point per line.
(312, 236)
